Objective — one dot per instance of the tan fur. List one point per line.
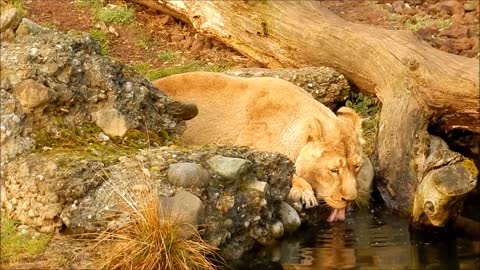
(274, 115)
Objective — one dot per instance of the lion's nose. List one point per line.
(351, 196)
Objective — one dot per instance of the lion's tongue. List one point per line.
(338, 214)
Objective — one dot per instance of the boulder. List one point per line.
(56, 86)
(188, 174)
(229, 168)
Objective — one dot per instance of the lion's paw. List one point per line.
(305, 197)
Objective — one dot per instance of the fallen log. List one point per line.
(417, 84)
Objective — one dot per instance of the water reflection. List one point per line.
(373, 240)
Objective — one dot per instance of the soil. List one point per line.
(153, 34)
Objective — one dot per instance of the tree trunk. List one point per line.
(416, 83)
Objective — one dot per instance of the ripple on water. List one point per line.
(372, 240)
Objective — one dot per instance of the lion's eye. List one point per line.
(334, 170)
(357, 167)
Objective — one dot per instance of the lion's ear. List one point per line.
(348, 115)
(313, 130)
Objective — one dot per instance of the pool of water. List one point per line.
(369, 239)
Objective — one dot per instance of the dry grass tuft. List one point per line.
(150, 239)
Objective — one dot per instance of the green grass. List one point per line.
(87, 3)
(16, 246)
(143, 43)
(189, 67)
(117, 15)
(166, 55)
(142, 68)
(418, 22)
(48, 25)
(18, 4)
(102, 39)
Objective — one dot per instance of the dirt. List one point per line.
(141, 42)
(159, 41)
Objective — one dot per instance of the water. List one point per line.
(369, 239)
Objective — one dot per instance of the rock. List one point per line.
(12, 119)
(103, 137)
(229, 168)
(277, 230)
(166, 19)
(457, 18)
(10, 19)
(187, 174)
(258, 186)
(450, 7)
(408, 11)
(182, 110)
(197, 46)
(177, 37)
(427, 33)
(111, 122)
(470, 6)
(464, 44)
(325, 84)
(29, 27)
(290, 218)
(188, 42)
(389, 8)
(81, 83)
(470, 18)
(31, 94)
(398, 6)
(208, 44)
(455, 32)
(184, 207)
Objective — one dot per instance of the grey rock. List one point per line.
(184, 207)
(29, 27)
(10, 19)
(290, 218)
(188, 174)
(229, 168)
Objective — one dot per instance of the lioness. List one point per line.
(271, 114)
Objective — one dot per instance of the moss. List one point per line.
(260, 173)
(368, 108)
(16, 246)
(82, 142)
(102, 39)
(189, 67)
(469, 165)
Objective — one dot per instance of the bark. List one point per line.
(417, 84)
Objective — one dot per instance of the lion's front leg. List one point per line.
(302, 191)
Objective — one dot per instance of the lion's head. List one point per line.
(331, 158)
